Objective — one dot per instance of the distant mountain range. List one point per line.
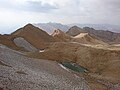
(106, 27)
(50, 27)
(106, 36)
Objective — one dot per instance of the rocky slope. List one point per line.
(96, 60)
(40, 68)
(18, 72)
(37, 37)
(21, 42)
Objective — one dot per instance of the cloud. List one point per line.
(28, 6)
(68, 11)
(38, 6)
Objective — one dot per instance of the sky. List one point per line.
(17, 13)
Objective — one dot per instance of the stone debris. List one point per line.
(21, 42)
(35, 74)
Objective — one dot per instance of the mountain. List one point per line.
(60, 36)
(75, 30)
(106, 36)
(30, 58)
(113, 28)
(50, 27)
(86, 38)
(37, 37)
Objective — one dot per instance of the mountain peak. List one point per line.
(29, 26)
(75, 30)
(88, 28)
(37, 37)
(75, 26)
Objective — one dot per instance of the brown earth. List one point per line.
(100, 61)
(74, 31)
(1, 88)
(86, 38)
(37, 37)
(7, 40)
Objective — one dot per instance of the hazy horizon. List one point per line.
(17, 13)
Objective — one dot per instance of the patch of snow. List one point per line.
(41, 51)
(63, 67)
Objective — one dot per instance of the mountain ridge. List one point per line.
(106, 36)
(37, 37)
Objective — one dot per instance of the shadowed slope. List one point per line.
(35, 74)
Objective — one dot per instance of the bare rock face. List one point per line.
(22, 73)
(21, 42)
(61, 36)
(37, 37)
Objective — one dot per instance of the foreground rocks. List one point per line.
(102, 61)
(18, 72)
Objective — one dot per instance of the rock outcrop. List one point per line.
(61, 36)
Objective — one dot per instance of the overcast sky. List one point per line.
(16, 13)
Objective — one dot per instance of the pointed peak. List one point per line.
(75, 26)
(88, 28)
(29, 25)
